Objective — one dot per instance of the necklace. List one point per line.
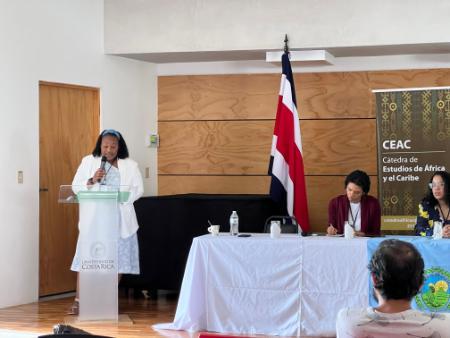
(442, 213)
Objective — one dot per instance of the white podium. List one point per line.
(98, 237)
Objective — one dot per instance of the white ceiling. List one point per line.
(243, 55)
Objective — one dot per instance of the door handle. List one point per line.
(43, 189)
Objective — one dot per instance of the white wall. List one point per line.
(161, 26)
(58, 41)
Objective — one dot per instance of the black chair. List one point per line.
(67, 331)
(288, 224)
(72, 335)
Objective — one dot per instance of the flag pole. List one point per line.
(286, 47)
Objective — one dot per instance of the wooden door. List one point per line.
(68, 128)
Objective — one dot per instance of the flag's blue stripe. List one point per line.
(278, 193)
(269, 172)
(287, 70)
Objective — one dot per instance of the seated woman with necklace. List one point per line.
(435, 206)
(361, 210)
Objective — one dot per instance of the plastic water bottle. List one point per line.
(234, 223)
(349, 231)
(437, 230)
(275, 229)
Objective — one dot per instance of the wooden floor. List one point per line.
(40, 317)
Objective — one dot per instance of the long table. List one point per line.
(288, 286)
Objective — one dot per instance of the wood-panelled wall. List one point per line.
(216, 131)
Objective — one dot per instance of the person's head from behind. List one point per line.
(111, 144)
(439, 188)
(357, 184)
(397, 270)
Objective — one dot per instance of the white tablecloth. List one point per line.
(288, 286)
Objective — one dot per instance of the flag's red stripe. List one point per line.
(292, 155)
(277, 119)
(300, 199)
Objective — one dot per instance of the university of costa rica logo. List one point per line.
(435, 293)
(98, 250)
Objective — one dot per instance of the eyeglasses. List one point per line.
(111, 132)
(436, 185)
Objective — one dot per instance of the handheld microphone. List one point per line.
(102, 166)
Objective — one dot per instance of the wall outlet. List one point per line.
(20, 177)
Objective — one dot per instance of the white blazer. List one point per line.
(129, 175)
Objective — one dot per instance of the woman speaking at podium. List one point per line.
(109, 165)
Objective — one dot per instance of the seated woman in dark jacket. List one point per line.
(435, 206)
(361, 210)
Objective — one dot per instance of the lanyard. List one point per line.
(103, 181)
(353, 219)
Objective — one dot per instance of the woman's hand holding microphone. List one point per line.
(98, 176)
